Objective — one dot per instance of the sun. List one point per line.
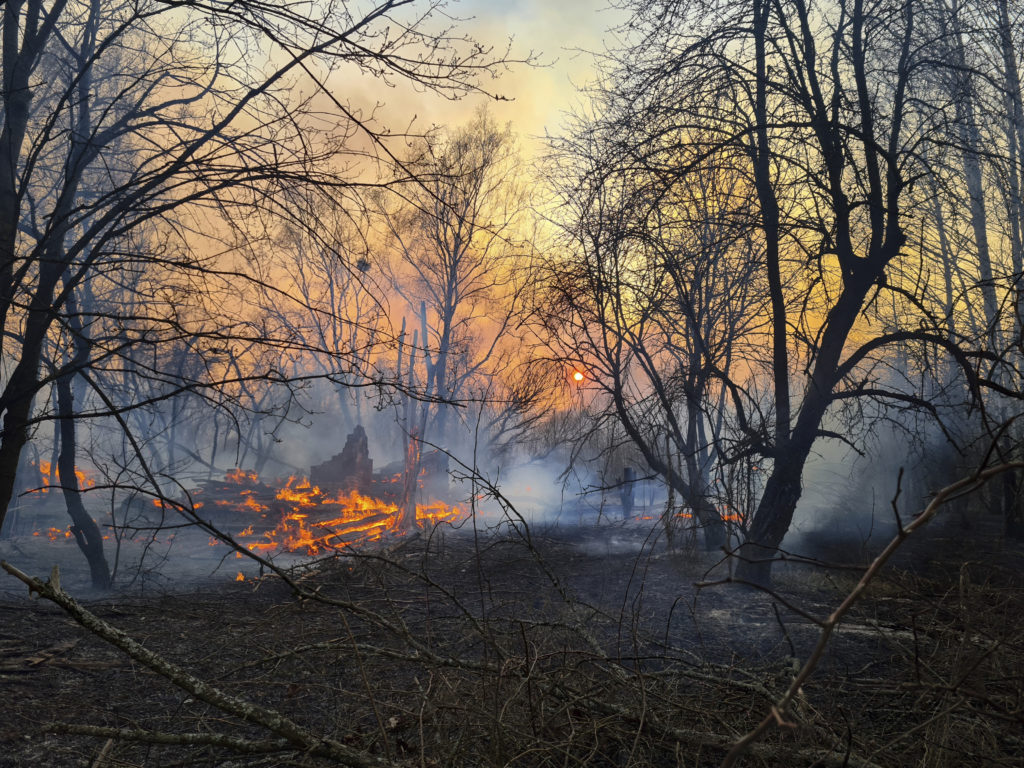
(577, 376)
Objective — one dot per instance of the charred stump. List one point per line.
(350, 470)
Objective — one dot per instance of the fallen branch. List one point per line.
(822, 758)
(162, 737)
(281, 726)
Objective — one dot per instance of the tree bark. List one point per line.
(86, 531)
(772, 519)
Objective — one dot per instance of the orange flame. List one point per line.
(51, 476)
(356, 518)
(301, 493)
(54, 534)
(310, 521)
(728, 517)
(255, 506)
(241, 477)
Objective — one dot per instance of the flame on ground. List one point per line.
(299, 491)
(241, 477)
(310, 520)
(54, 534)
(724, 513)
(300, 516)
(342, 519)
(50, 475)
(57, 534)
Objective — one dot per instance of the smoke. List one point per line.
(846, 511)
(538, 493)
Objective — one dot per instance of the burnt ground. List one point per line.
(572, 645)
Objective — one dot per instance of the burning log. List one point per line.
(344, 504)
(298, 516)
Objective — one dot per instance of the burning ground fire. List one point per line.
(299, 517)
(296, 516)
(291, 516)
(49, 479)
(50, 476)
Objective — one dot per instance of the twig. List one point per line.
(101, 758)
(895, 501)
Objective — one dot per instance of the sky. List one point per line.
(562, 33)
(559, 33)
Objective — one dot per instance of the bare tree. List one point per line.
(339, 322)
(830, 110)
(652, 293)
(455, 240)
(166, 141)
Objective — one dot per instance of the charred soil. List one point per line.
(566, 646)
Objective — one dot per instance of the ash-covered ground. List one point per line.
(580, 642)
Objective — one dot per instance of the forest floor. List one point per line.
(572, 645)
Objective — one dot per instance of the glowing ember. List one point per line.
(239, 577)
(54, 534)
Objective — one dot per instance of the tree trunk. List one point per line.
(1015, 139)
(772, 519)
(950, 371)
(410, 477)
(17, 398)
(708, 514)
(970, 142)
(410, 480)
(23, 384)
(86, 531)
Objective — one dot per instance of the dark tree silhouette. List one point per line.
(832, 113)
